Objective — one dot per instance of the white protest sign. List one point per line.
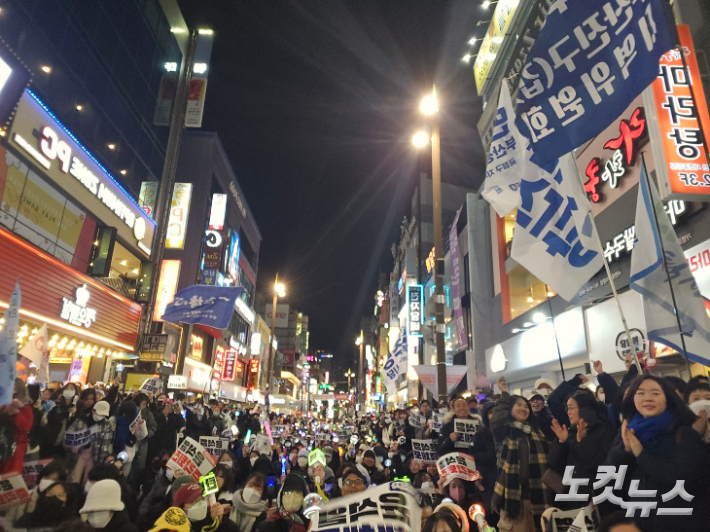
(30, 471)
(152, 385)
(13, 491)
(389, 506)
(79, 438)
(262, 444)
(457, 465)
(214, 445)
(425, 450)
(437, 421)
(467, 428)
(192, 459)
(417, 421)
(138, 428)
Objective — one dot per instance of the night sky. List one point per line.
(316, 102)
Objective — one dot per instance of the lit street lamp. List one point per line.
(279, 291)
(349, 374)
(430, 107)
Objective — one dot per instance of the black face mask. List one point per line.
(50, 504)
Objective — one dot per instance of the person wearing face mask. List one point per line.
(55, 422)
(301, 464)
(167, 423)
(374, 469)
(56, 505)
(81, 458)
(55, 471)
(203, 517)
(454, 488)
(105, 471)
(104, 510)
(248, 504)
(288, 516)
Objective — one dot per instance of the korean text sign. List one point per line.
(13, 491)
(467, 428)
(682, 120)
(425, 450)
(457, 465)
(393, 505)
(214, 444)
(591, 59)
(207, 305)
(192, 458)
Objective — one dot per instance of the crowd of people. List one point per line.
(647, 436)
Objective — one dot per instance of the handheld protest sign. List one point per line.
(457, 465)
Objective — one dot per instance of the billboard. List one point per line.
(233, 263)
(487, 53)
(281, 316)
(179, 211)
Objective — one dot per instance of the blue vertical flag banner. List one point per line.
(396, 363)
(591, 59)
(8, 346)
(505, 156)
(202, 304)
(553, 236)
(649, 279)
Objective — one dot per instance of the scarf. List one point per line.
(245, 514)
(508, 492)
(648, 429)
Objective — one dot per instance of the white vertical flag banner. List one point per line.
(8, 347)
(393, 365)
(553, 236)
(649, 279)
(35, 346)
(505, 157)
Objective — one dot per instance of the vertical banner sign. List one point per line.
(8, 347)
(591, 59)
(195, 102)
(461, 335)
(218, 212)
(148, 196)
(167, 285)
(685, 174)
(179, 211)
(415, 309)
(218, 362)
(230, 358)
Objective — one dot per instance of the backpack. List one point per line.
(7, 438)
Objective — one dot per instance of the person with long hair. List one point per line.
(519, 495)
(55, 422)
(660, 448)
(249, 503)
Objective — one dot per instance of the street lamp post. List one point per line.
(349, 374)
(430, 107)
(279, 291)
(361, 374)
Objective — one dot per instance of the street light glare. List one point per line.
(429, 105)
(420, 139)
(467, 58)
(280, 289)
(358, 341)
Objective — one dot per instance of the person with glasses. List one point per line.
(354, 480)
(542, 413)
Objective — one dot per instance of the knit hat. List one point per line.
(186, 494)
(178, 482)
(102, 408)
(104, 495)
(172, 519)
(369, 454)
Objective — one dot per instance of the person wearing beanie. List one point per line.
(104, 509)
(202, 517)
(288, 515)
(173, 520)
(301, 467)
(373, 467)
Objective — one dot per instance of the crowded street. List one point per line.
(354, 266)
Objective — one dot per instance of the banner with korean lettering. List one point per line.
(391, 506)
(13, 491)
(662, 311)
(437, 422)
(425, 450)
(192, 459)
(206, 305)
(501, 187)
(553, 228)
(591, 59)
(457, 465)
(8, 346)
(31, 470)
(466, 428)
(215, 445)
(396, 363)
(461, 333)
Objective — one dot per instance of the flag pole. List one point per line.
(554, 330)
(665, 266)
(612, 284)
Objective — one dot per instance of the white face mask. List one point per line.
(98, 418)
(68, 394)
(253, 460)
(99, 519)
(45, 483)
(250, 495)
(87, 486)
(302, 461)
(426, 485)
(169, 474)
(228, 463)
(198, 512)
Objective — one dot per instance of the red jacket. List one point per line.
(22, 424)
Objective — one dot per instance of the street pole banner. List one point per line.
(396, 361)
(214, 445)
(427, 376)
(203, 304)
(461, 334)
(587, 65)
(663, 315)
(501, 187)
(391, 506)
(13, 491)
(8, 346)
(467, 428)
(192, 459)
(425, 450)
(554, 237)
(457, 465)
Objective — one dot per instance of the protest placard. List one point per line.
(214, 445)
(262, 444)
(30, 470)
(392, 506)
(467, 428)
(152, 385)
(138, 428)
(425, 450)
(13, 491)
(192, 459)
(79, 438)
(437, 421)
(417, 421)
(457, 465)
